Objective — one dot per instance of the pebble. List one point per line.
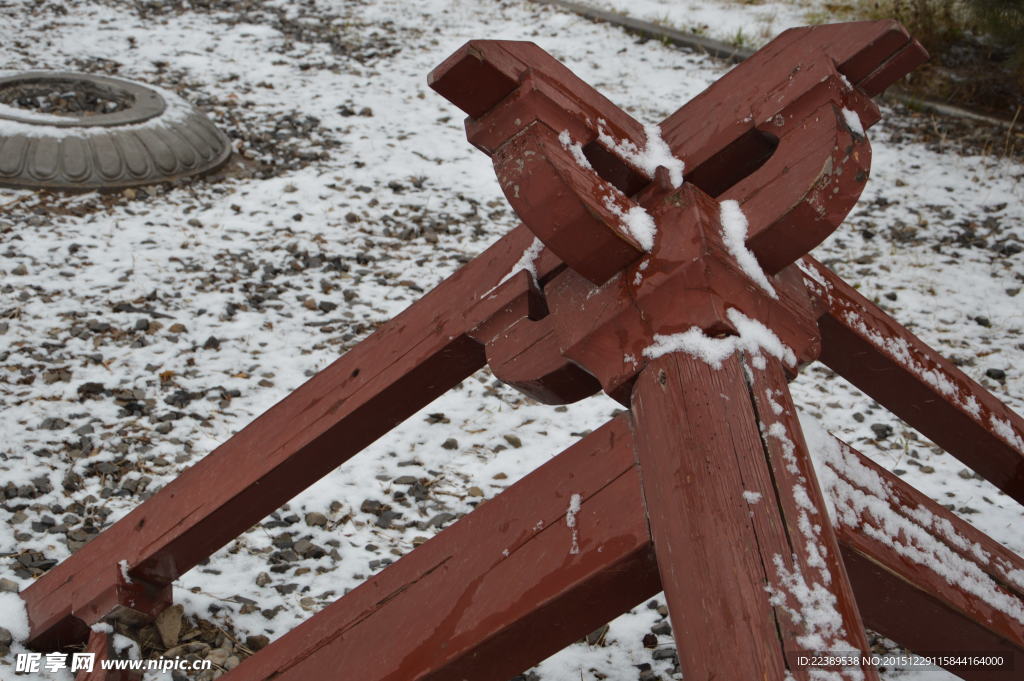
(314, 519)
(256, 642)
(308, 549)
(441, 519)
(881, 430)
(371, 506)
(666, 653)
(168, 625)
(597, 636)
(8, 586)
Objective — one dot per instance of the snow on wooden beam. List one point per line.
(462, 574)
(923, 577)
(553, 557)
(878, 355)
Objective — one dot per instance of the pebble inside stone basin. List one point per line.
(61, 130)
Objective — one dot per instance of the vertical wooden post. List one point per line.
(750, 573)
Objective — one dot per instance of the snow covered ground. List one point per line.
(745, 23)
(140, 329)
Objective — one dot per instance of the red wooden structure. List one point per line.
(691, 303)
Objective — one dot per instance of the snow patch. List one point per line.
(126, 647)
(575, 501)
(636, 221)
(123, 566)
(528, 262)
(751, 497)
(13, 615)
(655, 153)
(853, 121)
(734, 235)
(574, 148)
(102, 628)
(754, 338)
(861, 499)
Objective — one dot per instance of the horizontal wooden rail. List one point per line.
(878, 355)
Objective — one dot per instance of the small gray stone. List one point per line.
(314, 519)
(441, 519)
(662, 629)
(666, 653)
(8, 586)
(308, 549)
(881, 430)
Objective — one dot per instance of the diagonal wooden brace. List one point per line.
(496, 592)
(464, 565)
(417, 356)
(922, 575)
(881, 357)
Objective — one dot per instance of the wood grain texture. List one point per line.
(814, 562)
(881, 357)
(566, 205)
(496, 592)
(737, 527)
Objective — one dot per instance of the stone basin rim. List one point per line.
(146, 102)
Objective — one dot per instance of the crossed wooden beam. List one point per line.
(625, 279)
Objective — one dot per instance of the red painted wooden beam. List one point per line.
(878, 355)
(897, 596)
(923, 576)
(498, 591)
(749, 564)
(408, 362)
(795, 62)
(787, 105)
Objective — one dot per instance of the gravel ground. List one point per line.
(141, 328)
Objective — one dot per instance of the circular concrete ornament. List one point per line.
(63, 130)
